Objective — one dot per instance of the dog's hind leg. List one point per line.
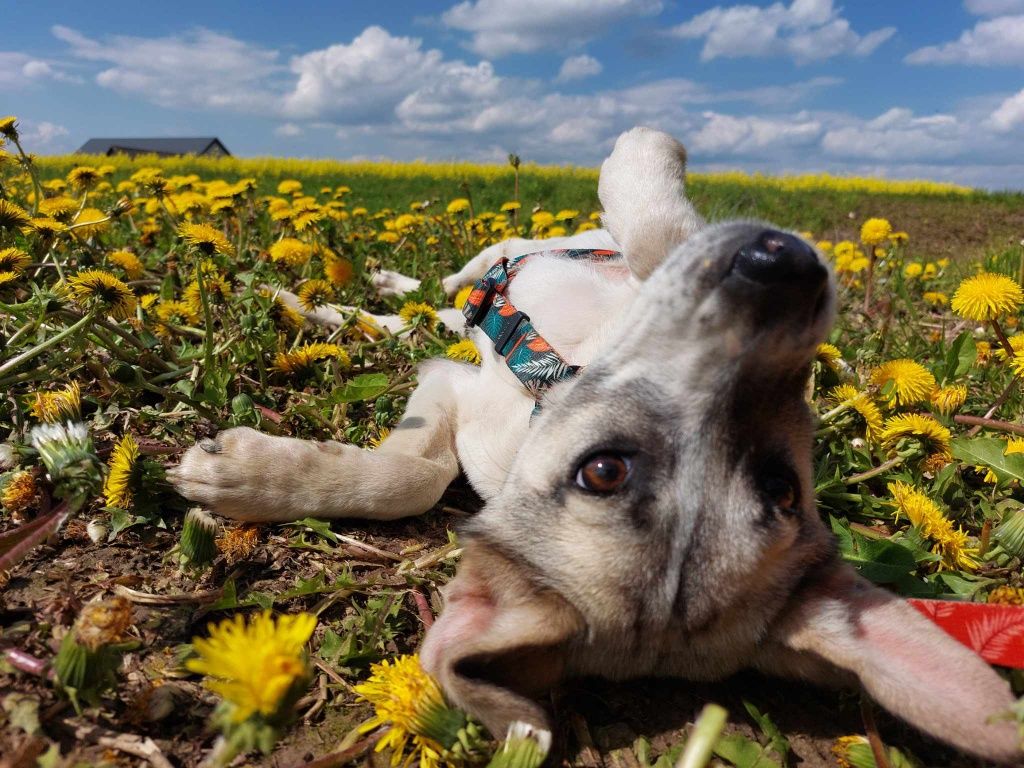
(335, 316)
(250, 476)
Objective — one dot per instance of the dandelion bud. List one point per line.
(122, 206)
(198, 538)
(67, 453)
(9, 127)
(97, 531)
(87, 661)
(524, 747)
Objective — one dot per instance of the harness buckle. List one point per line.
(511, 327)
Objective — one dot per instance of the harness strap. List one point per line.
(528, 355)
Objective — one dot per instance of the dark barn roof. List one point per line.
(201, 145)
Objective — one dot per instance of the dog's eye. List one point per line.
(779, 491)
(603, 472)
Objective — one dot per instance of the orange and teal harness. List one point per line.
(527, 354)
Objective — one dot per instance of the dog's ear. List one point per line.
(500, 642)
(643, 192)
(903, 660)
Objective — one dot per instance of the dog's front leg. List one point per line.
(250, 476)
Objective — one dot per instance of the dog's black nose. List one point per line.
(777, 257)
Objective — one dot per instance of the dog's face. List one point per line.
(660, 518)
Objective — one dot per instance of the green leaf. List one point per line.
(960, 357)
(320, 527)
(988, 451)
(776, 740)
(744, 752)
(365, 386)
(880, 560)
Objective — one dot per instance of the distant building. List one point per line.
(209, 146)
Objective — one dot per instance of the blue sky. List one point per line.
(915, 88)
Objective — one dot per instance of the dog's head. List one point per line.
(660, 518)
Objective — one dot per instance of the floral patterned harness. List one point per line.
(528, 355)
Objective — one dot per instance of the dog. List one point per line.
(652, 512)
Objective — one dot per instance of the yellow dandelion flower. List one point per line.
(9, 127)
(934, 437)
(409, 702)
(289, 187)
(12, 216)
(936, 298)
(511, 205)
(62, 405)
(175, 313)
(20, 492)
(950, 542)
(1014, 445)
(542, 219)
(987, 296)
(458, 206)
(96, 286)
(378, 440)
(291, 251)
(899, 238)
(315, 293)
(911, 382)
(259, 667)
(148, 300)
(206, 239)
(1006, 595)
(47, 228)
(127, 261)
(90, 222)
(118, 486)
(238, 543)
(875, 231)
(464, 350)
(7, 277)
(982, 352)
(14, 260)
(863, 405)
(566, 214)
(913, 269)
(852, 751)
(60, 208)
(946, 400)
(418, 313)
(830, 356)
(338, 270)
(388, 237)
(300, 359)
(83, 177)
(462, 296)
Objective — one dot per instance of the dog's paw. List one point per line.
(389, 283)
(237, 474)
(452, 284)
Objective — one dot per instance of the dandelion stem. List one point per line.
(208, 320)
(705, 735)
(998, 330)
(34, 352)
(983, 423)
(829, 415)
(882, 468)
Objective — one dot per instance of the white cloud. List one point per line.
(898, 134)
(288, 130)
(19, 69)
(501, 27)
(1009, 114)
(377, 74)
(579, 67)
(752, 135)
(991, 42)
(994, 7)
(43, 136)
(197, 69)
(806, 30)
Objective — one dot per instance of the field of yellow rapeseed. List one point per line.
(139, 309)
